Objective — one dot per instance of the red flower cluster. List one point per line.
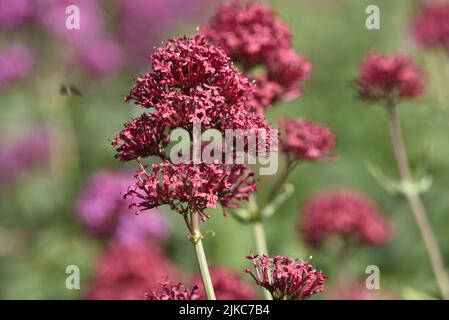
(143, 137)
(345, 213)
(127, 271)
(251, 35)
(305, 140)
(431, 26)
(228, 285)
(173, 292)
(189, 188)
(385, 78)
(193, 82)
(286, 278)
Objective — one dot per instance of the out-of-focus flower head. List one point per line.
(173, 292)
(127, 272)
(431, 25)
(193, 82)
(387, 78)
(104, 211)
(304, 140)
(101, 57)
(19, 156)
(228, 285)
(286, 278)
(14, 13)
(16, 63)
(248, 32)
(344, 213)
(266, 93)
(188, 188)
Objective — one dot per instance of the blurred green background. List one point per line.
(40, 235)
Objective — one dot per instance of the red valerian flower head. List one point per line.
(286, 278)
(305, 140)
(386, 78)
(247, 32)
(289, 70)
(189, 188)
(193, 82)
(266, 93)
(344, 213)
(173, 292)
(431, 26)
(228, 285)
(126, 272)
(143, 137)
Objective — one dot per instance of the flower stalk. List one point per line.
(416, 205)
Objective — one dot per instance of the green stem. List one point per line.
(261, 248)
(416, 204)
(201, 257)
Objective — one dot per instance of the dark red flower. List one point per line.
(143, 137)
(345, 213)
(247, 32)
(289, 70)
(193, 82)
(384, 78)
(266, 93)
(188, 188)
(431, 26)
(128, 271)
(173, 292)
(228, 285)
(305, 140)
(286, 278)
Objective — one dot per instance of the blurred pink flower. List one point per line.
(385, 78)
(228, 285)
(286, 278)
(127, 272)
(16, 63)
(173, 292)
(14, 13)
(304, 140)
(345, 213)
(104, 211)
(431, 25)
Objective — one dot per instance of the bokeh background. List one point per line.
(40, 232)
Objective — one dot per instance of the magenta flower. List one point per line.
(228, 285)
(266, 93)
(126, 272)
(289, 70)
(189, 188)
(16, 63)
(193, 82)
(345, 213)
(431, 26)
(248, 32)
(304, 140)
(143, 137)
(173, 292)
(286, 278)
(386, 78)
(104, 211)
(19, 156)
(14, 13)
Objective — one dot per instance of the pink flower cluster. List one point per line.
(344, 213)
(14, 13)
(104, 211)
(252, 35)
(189, 188)
(386, 78)
(431, 26)
(228, 285)
(286, 278)
(126, 272)
(304, 140)
(16, 63)
(173, 292)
